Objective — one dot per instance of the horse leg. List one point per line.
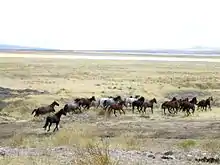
(56, 128)
(193, 110)
(210, 107)
(46, 124)
(119, 110)
(145, 110)
(132, 108)
(164, 109)
(49, 127)
(138, 108)
(152, 111)
(109, 110)
(123, 111)
(115, 113)
(188, 111)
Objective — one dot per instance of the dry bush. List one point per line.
(94, 154)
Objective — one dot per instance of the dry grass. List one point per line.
(66, 79)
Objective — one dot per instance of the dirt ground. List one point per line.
(132, 138)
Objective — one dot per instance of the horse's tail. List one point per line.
(65, 108)
(34, 111)
(162, 105)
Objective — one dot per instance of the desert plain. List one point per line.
(91, 138)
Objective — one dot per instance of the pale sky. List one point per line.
(112, 24)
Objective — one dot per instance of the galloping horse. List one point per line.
(54, 119)
(45, 109)
(130, 100)
(171, 105)
(150, 104)
(116, 106)
(105, 102)
(138, 103)
(72, 106)
(204, 103)
(86, 102)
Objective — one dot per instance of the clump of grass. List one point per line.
(94, 154)
(212, 146)
(187, 144)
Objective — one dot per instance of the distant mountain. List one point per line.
(194, 50)
(187, 51)
(17, 47)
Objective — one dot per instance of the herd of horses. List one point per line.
(109, 104)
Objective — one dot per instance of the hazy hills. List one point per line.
(195, 50)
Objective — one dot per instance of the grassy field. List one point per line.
(90, 132)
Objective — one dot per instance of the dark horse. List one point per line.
(45, 109)
(54, 119)
(187, 105)
(171, 105)
(149, 104)
(138, 103)
(86, 102)
(204, 103)
(116, 106)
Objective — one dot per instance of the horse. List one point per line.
(86, 102)
(45, 109)
(116, 106)
(73, 106)
(150, 104)
(194, 100)
(105, 102)
(187, 105)
(138, 103)
(174, 104)
(204, 103)
(130, 100)
(54, 119)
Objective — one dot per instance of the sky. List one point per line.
(112, 24)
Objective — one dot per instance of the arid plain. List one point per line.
(93, 138)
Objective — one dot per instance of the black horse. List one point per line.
(138, 103)
(205, 103)
(54, 119)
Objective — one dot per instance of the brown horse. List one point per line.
(86, 102)
(172, 106)
(54, 119)
(204, 103)
(149, 104)
(116, 106)
(45, 109)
